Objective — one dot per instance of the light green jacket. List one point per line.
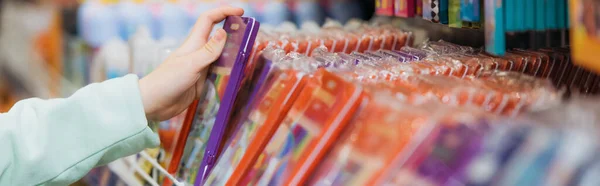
(57, 141)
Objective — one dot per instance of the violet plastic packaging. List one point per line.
(373, 56)
(399, 57)
(348, 59)
(407, 56)
(245, 30)
(413, 51)
(414, 57)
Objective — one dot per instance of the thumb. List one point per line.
(209, 52)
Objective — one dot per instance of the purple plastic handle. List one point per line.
(234, 26)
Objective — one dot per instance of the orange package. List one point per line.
(351, 43)
(473, 66)
(322, 110)
(456, 91)
(519, 90)
(520, 61)
(503, 64)
(534, 63)
(378, 134)
(282, 90)
(542, 63)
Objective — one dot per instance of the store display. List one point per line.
(309, 101)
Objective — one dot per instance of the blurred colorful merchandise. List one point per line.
(49, 44)
(131, 15)
(97, 22)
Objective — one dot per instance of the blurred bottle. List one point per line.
(344, 10)
(308, 10)
(173, 21)
(247, 6)
(116, 58)
(97, 22)
(131, 15)
(276, 12)
(142, 45)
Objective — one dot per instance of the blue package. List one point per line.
(443, 11)
(519, 17)
(540, 15)
(509, 15)
(529, 15)
(495, 42)
(562, 14)
(470, 10)
(551, 14)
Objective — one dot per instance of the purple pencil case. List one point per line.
(227, 75)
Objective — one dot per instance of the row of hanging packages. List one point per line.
(361, 106)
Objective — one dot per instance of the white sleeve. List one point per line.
(57, 141)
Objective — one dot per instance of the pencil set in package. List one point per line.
(206, 120)
(321, 111)
(379, 132)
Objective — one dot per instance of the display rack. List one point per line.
(145, 167)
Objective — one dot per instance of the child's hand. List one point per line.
(172, 87)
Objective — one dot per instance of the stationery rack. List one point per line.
(289, 134)
(409, 98)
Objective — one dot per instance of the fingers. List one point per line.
(201, 30)
(200, 59)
